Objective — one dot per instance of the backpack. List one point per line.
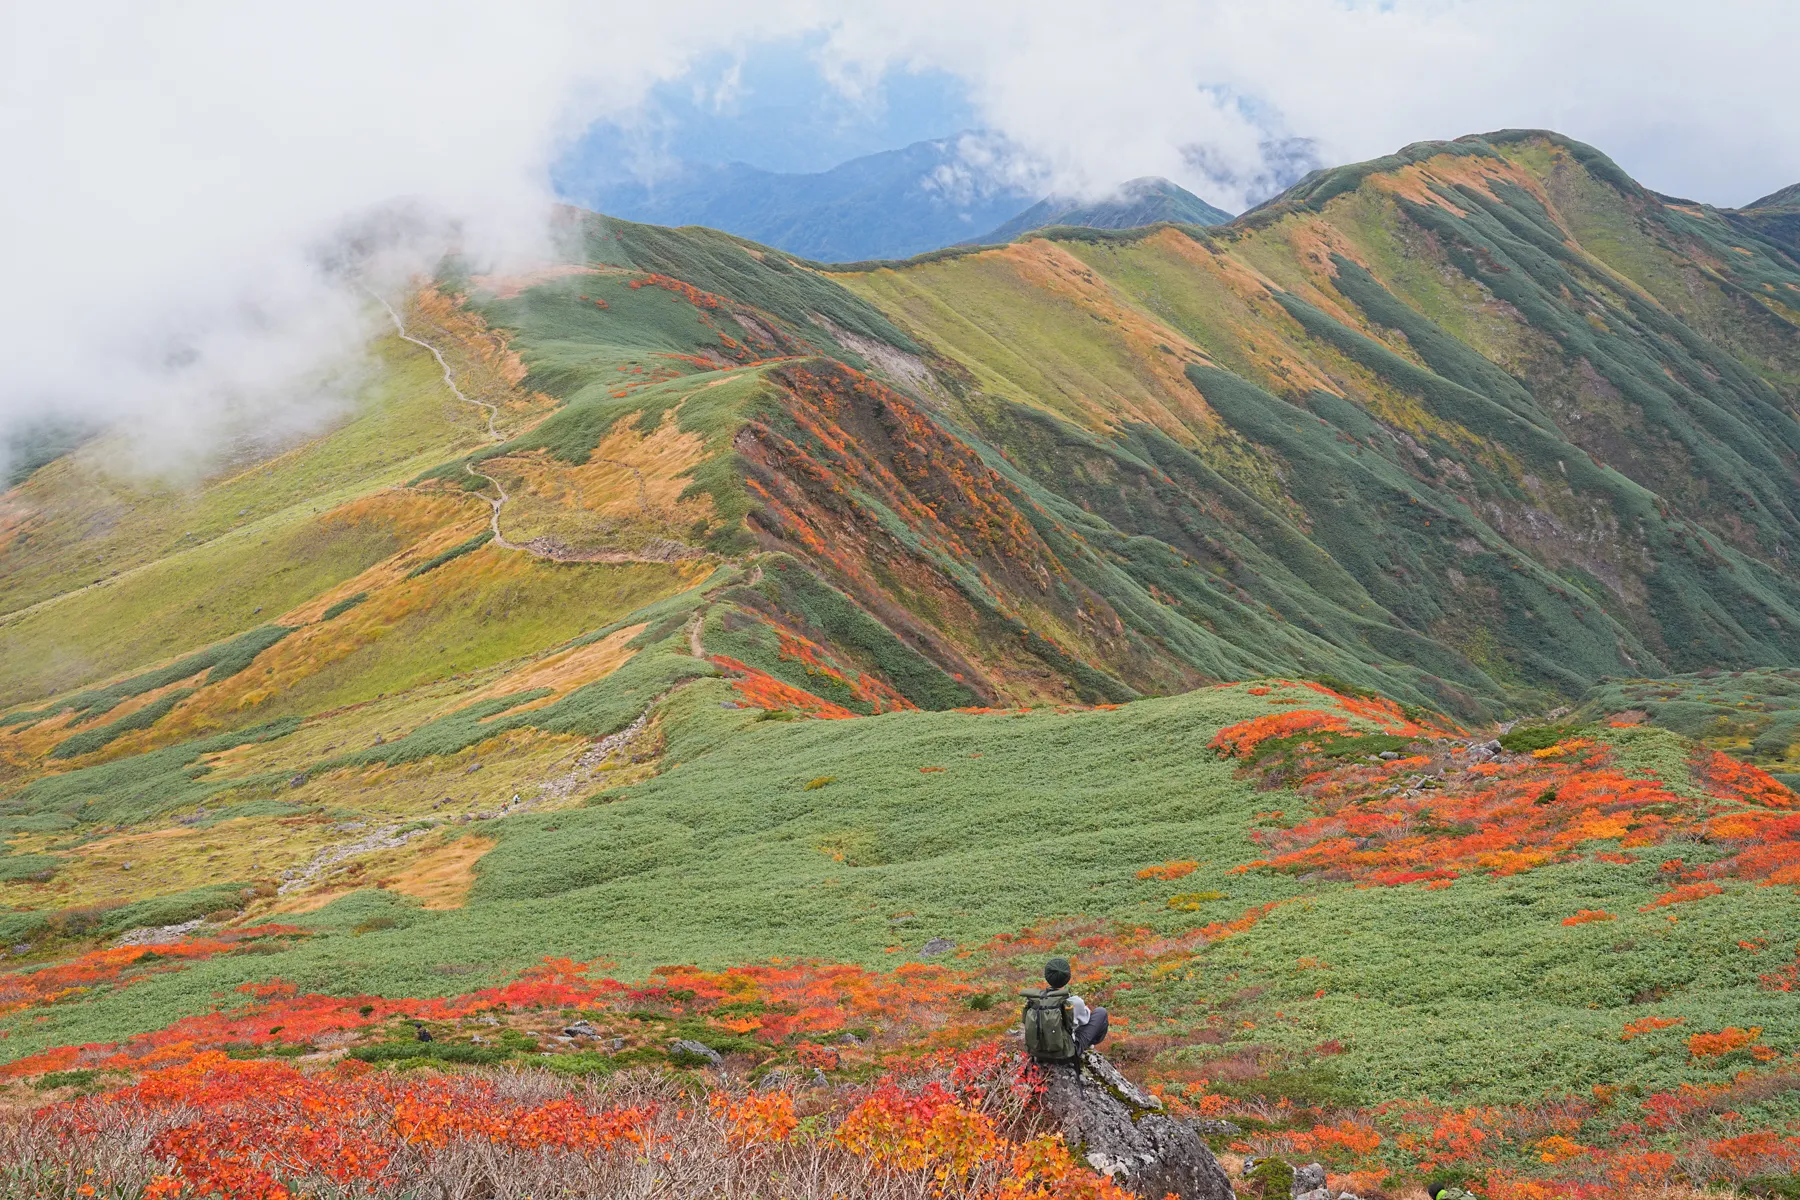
(1049, 1024)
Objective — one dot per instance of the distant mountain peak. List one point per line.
(1787, 197)
(1146, 200)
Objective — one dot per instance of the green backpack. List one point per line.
(1049, 1024)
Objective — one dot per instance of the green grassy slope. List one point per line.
(666, 669)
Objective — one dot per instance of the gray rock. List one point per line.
(1210, 1127)
(937, 945)
(1315, 1194)
(1348, 1196)
(1308, 1180)
(581, 1029)
(1121, 1132)
(297, 780)
(1388, 755)
(697, 1049)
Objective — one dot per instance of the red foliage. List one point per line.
(121, 966)
(762, 690)
(1586, 915)
(1242, 739)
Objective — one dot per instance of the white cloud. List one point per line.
(173, 168)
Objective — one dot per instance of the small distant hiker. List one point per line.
(1060, 1027)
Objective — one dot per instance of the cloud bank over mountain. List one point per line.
(183, 175)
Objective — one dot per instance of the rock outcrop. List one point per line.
(1122, 1132)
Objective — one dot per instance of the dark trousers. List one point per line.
(1092, 1033)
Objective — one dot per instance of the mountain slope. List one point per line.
(1775, 217)
(888, 205)
(652, 647)
(1146, 201)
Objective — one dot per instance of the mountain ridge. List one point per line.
(1149, 200)
(734, 607)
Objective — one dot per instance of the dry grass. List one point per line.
(441, 878)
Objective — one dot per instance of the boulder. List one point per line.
(1122, 1132)
(689, 1050)
(1310, 1179)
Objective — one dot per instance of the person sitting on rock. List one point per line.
(1060, 1027)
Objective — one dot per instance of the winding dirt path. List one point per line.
(492, 410)
(662, 551)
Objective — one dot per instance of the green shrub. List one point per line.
(219, 662)
(1537, 737)
(1270, 1179)
(343, 606)
(14, 867)
(91, 740)
(419, 1053)
(455, 552)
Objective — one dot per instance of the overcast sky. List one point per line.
(172, 168)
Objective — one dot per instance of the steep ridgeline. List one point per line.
(1477, 424)
(1485, 417)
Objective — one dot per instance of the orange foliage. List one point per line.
(1648, 1025)
(1242, 739)
(1685, 894)
(761, 690)
(1583, 916)
(1169, 870)
(1716, 1045)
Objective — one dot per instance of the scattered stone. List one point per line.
(688, 1046)
(161, 935)
(379, 740)
(1309, 1182)
(937, 945)
(297, 780)
(1388, 755)
(850, 1039)
(1126, 1136)
(126, 866)
(615, 1044)
(22, 948)
(472, 768)
(581, 1029)
(1211, 1127)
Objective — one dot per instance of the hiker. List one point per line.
(1060, 1027)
